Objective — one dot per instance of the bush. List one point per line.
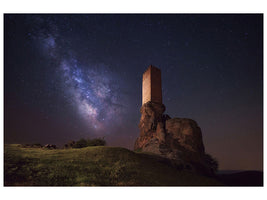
(85, 143)
(212, 162)
(69, 144)
(80, 143)
(96, 142)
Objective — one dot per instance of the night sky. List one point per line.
(68, 77)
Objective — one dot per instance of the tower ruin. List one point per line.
(178, 139)
(151, 88)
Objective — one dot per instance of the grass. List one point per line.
(92, 166)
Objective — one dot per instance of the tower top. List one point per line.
(150, 67)
(151, 90)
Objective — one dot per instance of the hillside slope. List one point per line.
(93, 166)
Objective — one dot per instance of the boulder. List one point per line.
(187, 133)
(178, 139)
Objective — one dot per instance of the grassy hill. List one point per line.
(93, 166)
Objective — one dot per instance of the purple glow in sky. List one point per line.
(73, 76)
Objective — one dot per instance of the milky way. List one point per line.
(93, 89)
(92, 92)
(77, 76)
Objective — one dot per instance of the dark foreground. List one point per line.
(244, 178)
(95, 166)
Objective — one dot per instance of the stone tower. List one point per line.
(152, 108)
(178, 139)
(151, 89)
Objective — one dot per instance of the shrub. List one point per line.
(80, 143)
(212, 162)
(90, 142)
(37, 145)
(70, 144)
(96, 142)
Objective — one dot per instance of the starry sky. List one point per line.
(76, 76)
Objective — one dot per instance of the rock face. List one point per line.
(178, 139)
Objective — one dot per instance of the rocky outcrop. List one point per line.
(178, 139)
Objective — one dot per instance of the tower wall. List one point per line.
(151, 90)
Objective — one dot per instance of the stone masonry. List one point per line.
(178, 139)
